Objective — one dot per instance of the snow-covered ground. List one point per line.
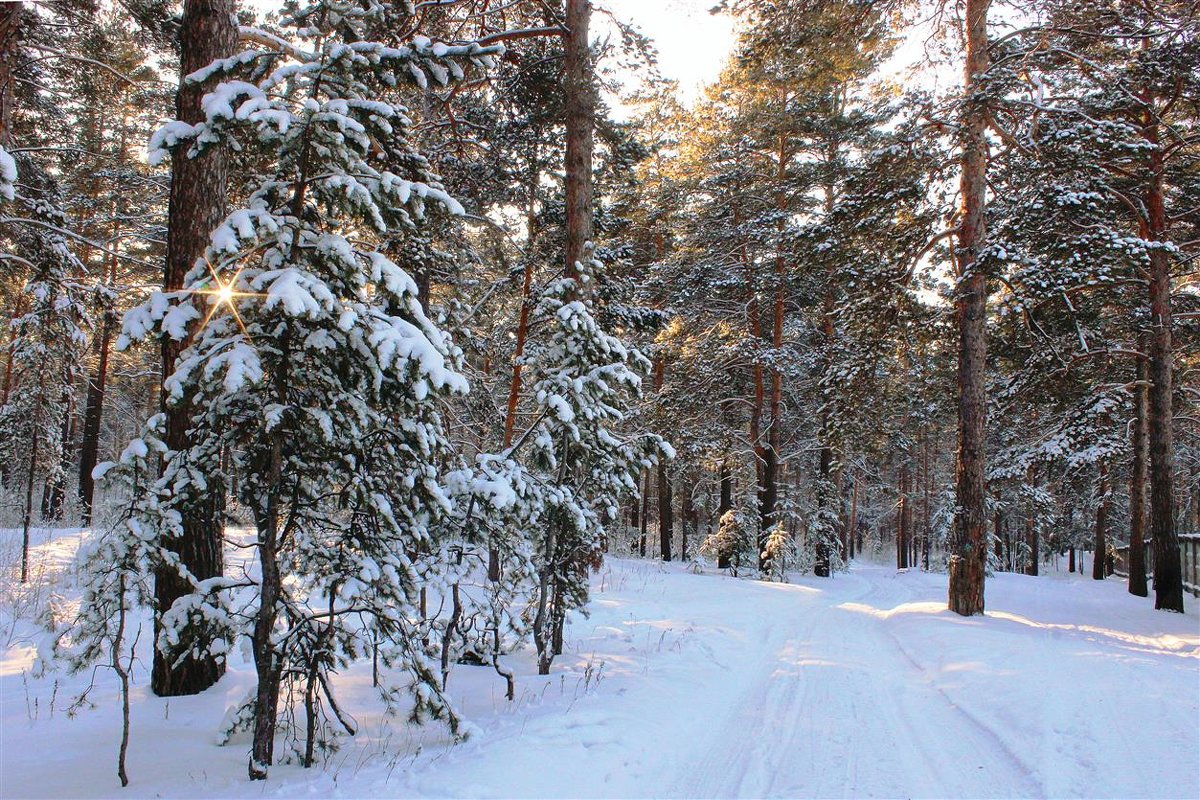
(686, 685)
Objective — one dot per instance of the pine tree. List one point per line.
(315, 372)
(197, 204)
(970, 528)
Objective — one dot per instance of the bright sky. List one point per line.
(692, 43)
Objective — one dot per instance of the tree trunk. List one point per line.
(687, 517)
(902, 519)
(197, 206)
(926, 492)
(580, 110)
(643, 531)
(852, 522)
(31, 473)
(10, 49)
(1071, 559)
(514, 384)
(54, 493)
(822, 567)
(541, 620)
(1168, 574)
(969, 550)
(1031, 534)
(769, 497)
(843, 517)
(94, 411)
(666, 514)
(579, 101)
(1100, 560)
(726, 505)
(997, 537)
(928, 543)
(266, 660)
(267, 663)
(754, 320)
(635, 507)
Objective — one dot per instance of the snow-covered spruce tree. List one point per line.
(732, 542)
(779, 554)
(315, 374)
(822, 546)
(584, 380)
(497, 504)
(47, 338)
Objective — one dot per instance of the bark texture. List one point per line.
(1100, 556)
(726, 504)
(10, 49)
(968, 557)
(580, 104)
(1137, 488)
(666, 514)
(197, 206)
(1168, 572)
(902, 520)
(581, 112)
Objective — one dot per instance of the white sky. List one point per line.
(692, 43)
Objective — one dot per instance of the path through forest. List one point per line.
(686, 685)
(834, 706)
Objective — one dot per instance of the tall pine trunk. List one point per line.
(666, 514)
(1031, 532)
(688, 517)
(266, 659)
(10, 48)
(645, 518)
(769, 496)
(1138, 487)
(579, 101)
(1100, 559)
(30, 474)
(725, 505)
(754, 322)
(93, 411)
(54, 493)
(10, 44)
(197, 205)
(1168, 574)
(581, 111)
(514, 385)
(902, 519)
(968, 557)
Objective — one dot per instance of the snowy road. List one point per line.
(863, 686)
(683, 685)
(834, 707)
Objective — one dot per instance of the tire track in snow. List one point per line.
(831, 709)
(1017, 763)
(744, 753)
